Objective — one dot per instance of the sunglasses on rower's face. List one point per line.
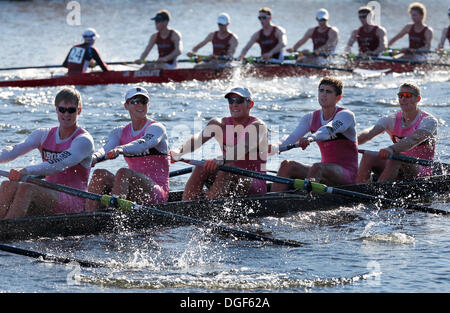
(237, 100)
(263, 17)
(407, 95)
(141, 100)
(363, 16)
(70, 110)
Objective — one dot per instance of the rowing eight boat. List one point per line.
(186, 74)
(233, 210)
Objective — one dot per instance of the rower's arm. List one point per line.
(153, 136)
(301, 41)
(301, 130)
(99, 61)
(369, 133)
(443, 38)
(402, 33)
(428, 38)
(233, 45)
(382, 41)
(351, 41)
(413, 140)
(249, 44)
(33, 141)
(201, 44)
(149, 47)
(212, 130)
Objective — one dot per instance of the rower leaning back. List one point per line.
(66, 152)
(243, 141)
(334, 129)
(412, 131)
(144, 145)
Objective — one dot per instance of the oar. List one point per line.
(310, 186)
(59, 65)
(127, 205)
(392, 60)
(408, 159)
(49, 257)
(323, 67)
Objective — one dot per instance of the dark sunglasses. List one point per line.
(237, 100)
(140, 100)
(70, 110)
(407, 95)
(263, 17)
(363, 16)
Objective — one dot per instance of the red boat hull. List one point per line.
(179, 75)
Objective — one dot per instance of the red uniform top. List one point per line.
(319, 38)
(165, 46)
(220, 46)
(267, 43)
(417, 39)
(80, 56)
(368, 41)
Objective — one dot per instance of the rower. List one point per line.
(371, 38)
(334, 129)
(168, 41)
(224, 44)
(271, 38)
(445, 35)
(412, 132)
(324, 38)
(243, 141)
(144, 145)
(420, 35)
(84, 55)
(66, 152)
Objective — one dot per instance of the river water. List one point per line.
(351, 249)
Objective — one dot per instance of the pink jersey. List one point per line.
(423, 151)
(151, 163)
(76, 176)
(258, 165)
(340, 151)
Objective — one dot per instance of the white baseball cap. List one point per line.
(322, 14)
(137, 90)
(223, 19)
(243, 92)
(90, 32)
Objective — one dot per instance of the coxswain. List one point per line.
(224, 44)
(271, 38)
(333, 128)
(66, 152)
(371, 39)
(420, 35)
(143, 143)
(243, 141)
(413, 133)
(445, 35)
(84, 55)
(168, 41)
(324, 38)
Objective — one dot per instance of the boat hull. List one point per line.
(231, 210)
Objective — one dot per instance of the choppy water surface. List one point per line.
(351, 249)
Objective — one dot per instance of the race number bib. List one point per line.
(76, 55)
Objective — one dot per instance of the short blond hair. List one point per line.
(265, 10)
(419, 8)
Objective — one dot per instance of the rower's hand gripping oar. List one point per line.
(314, 187)
(127, 205)
(408, 159)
